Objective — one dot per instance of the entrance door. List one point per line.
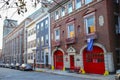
(72, 62)
(94, 60)
(46, 60)
(58, 60)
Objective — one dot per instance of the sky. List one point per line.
(12, 14)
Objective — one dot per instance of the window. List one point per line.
(38, 42)
(46, 38)
(34, 43)
(56, 15)
(116, 1)
(63, 11)
(46, 23)
(70, 7)
(71, 31)
(90, 24)
(42, 40)
(42, 26)
(57, 34)
(37, 26)
(31, 55)
(117, 24)
(28, 55)
(42, 55)
(32, 31)
(87, 1)
(38, 56)
(78, 4)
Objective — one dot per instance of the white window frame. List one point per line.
(31, 56)
(85, 21)
(78, 5)
(63, 11)
(37, 27)
(38, 42)
(56, 15)
(42, 54)
(87, 2)
(70, 9)
(42, 40)
(41, 26)
(46, 23)
(68, 31)
(57, 37)
(46, 39)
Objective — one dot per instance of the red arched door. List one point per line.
(94, 60)
(58, 60)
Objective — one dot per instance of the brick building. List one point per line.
(83, 35)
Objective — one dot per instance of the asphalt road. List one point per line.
(11, 74)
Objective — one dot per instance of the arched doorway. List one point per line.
(94, 60)
(58, 60)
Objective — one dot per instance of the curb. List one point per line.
(80, 75)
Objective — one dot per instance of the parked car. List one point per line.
(26, 67)
(17, 66)
(7, 65)
(12, 66)
(2, 65)
(117, 75)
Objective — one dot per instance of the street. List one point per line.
(11, 74)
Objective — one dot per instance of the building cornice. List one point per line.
(57, 5)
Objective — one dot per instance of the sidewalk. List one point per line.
(66, 73)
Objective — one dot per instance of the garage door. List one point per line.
(94, 60)
(58, 60)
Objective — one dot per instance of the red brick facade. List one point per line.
(104, 34)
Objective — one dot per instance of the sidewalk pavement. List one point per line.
(66, 73)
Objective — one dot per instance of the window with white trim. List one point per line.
(42, 40)
(28, 55)
(42, 26)
(46, 39)
(37, 26)
(31, 56)
(88, 1)
(63, 11)
(70, 7)
(90, 23)
(37, 29)
(38, 42)
(57, 34)
(71, 32)
(46, 23)
(56, 15)
(42, 55)
(78, 4)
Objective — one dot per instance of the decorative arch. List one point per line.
(95, 44)
(71, 50)
(56, 50)
(53, 52)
